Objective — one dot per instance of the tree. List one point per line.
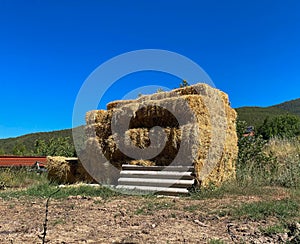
(284, 126)
(2, 152)
(41, 148)
(19, 149)
(61, 146)
(252, 164)
(241, 128)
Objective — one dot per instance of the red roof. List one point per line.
(6, 161)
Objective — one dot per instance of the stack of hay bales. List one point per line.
(198, 127)
(65, 170)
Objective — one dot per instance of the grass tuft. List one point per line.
(273, 230)
(149, 207)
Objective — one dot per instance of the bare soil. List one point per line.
(130, 219)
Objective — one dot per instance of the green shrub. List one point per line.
(283, 126)
(254, 166)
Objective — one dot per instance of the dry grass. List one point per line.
(287, 159)
(20, 177)
(284, 149)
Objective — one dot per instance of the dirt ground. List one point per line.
(129, 219)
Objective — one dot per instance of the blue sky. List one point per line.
(250, 49)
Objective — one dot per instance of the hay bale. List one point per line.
(197, 121)
(67, 170)
(142, 162)
(140, 138)
(97, 116)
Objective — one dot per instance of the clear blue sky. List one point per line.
(250, 49)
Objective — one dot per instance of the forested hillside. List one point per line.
(256, 115)
(27, 142)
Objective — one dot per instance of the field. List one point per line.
(85, 214)
(261, 205)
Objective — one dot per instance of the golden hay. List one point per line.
(142, 162)
(66, 170)
(97, 116)
(199, 124)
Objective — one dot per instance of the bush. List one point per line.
(254, 166)
(60, 146)
(262, 162)
(283, 126)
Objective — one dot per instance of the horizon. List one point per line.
(49, 48)
(84, 124)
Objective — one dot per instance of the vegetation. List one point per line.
(216, 241)
(268, 165)
(153, 205)
(45, 143)
(20, 178)
(55, 147)
(287, 160)
(292, 106)
(10, 146)
(20, 149)
(268, 162)
(19, 183)
(270, 158)
(283, 126)
(273, 229)
(281, 209)
(256, 116)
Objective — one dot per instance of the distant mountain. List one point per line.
(256, 115)
(292, 106)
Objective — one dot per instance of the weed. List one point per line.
(11, 206)
(191, 208)
(21, 177)
(151, 206)
(216, 241)
(58, 221)
(273, 229)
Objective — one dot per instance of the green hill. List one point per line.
(292, 106)
(8, 145)
(256, 115)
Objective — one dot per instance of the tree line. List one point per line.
(58, 146)
(282, 126)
